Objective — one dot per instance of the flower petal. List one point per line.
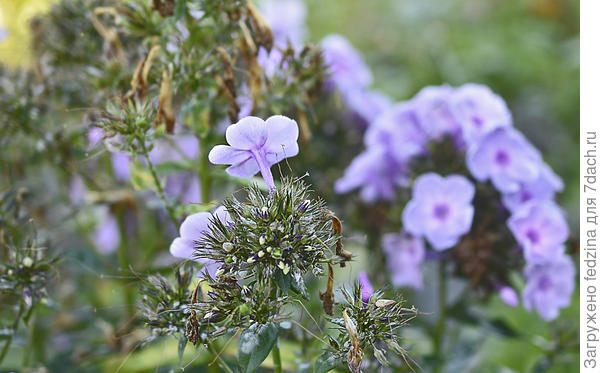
(247, 168)
(225, 154)
(282, 137)
(194, 226)
(249, 133)
(182, 248)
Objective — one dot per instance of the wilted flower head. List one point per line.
(404, 254)
(365, 286)
(543, 188)
(540, 228)
(440, 209)
(550, 285)
(256, 145)
(376, 172)
(346, 66)
(192, 230)
(478, 111)
(506, 158)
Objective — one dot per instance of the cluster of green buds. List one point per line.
(283, 236)
(370, 327)
(165, 303)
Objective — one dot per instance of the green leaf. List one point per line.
(326, 362)
(283, 281)
(181, 347)
(255, 344)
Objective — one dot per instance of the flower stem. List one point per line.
(276, 357)
(14, 331)
(123, 257)
(222, 362)
(438, 342)
(159, 188)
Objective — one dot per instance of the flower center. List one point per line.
(441, 211)
(502, 158)
(544, 283)
(533, 236)
(477, 121)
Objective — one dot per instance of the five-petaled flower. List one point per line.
(192, 230)
(404, 254)
(440, 209)
(540, 228)
(256, 145)
(550, 285)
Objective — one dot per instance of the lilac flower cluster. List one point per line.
(479, 125)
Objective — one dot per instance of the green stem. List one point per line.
(438, 342)
(158, 185)
(204, 172)
(276, 357)
(221, 361)
(123, 257)
(14, 331)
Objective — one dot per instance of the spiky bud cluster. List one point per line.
(165, 304)
(369, 326)
(284, 233)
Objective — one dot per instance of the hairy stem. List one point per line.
(123, 257)
(276, 357)
(221, 361)
(438, 342)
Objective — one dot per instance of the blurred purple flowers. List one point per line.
(498, 158)
(440, 209)
(404, 254)
(549, 286)
(540, 228)
(192, 230)
(256, 145)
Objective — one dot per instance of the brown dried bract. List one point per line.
(166, 114)
(327, 296)
(339, 248)
(164, 8)
(192, 327)
(355, 354)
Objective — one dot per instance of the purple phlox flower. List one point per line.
(540, 228)
(365, 105)
(366, 287)
(433, 112)
(478, 110)
(440, 209)
(120, 165)
(107, 235)
(270, 61)
(544, 187)
(286, 18)
(376, 173)
(193, 230)
(404, 255)
(550, 285)
(506, 158)
(508, 295)
(77, 189)
(346, 66)
(256, 145)
(398, 131)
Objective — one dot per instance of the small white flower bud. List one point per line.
(262, 240)
(227, 246)
(261, 254)
(27, 262)
(251, 260)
